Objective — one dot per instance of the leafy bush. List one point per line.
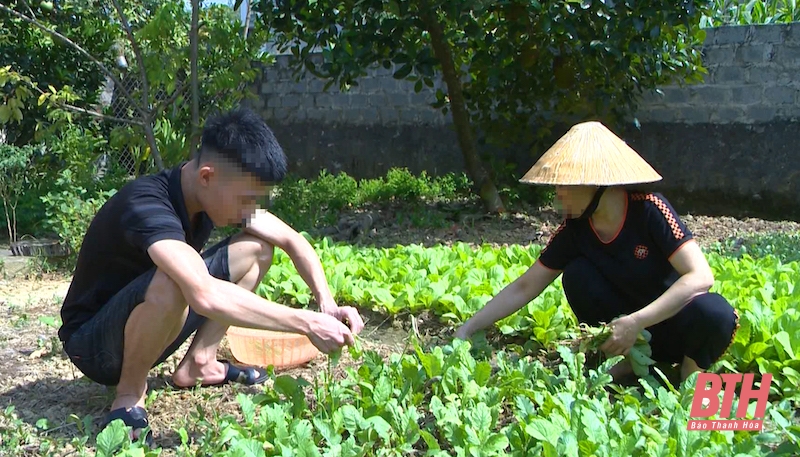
(738, 12)
(306, 203)
(16, 178)
(70, 210)
(74, 148)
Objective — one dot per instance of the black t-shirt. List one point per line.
(114, 251)
(636, 261)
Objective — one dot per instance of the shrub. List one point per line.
(306, 203)
(70, 210)
(16, 177)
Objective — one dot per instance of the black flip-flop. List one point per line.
(243, 375)
(135, 417)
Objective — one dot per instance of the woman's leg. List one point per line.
(705, 328)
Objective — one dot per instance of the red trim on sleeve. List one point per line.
(670, 217)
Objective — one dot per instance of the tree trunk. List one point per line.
(11, 235)
(247, 19)
(14, 235)
(151, 141)
(458, 106)
(195, 87)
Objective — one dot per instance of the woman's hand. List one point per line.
(463, 332)
(624, 332)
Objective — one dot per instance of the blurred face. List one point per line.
(228, 195)
(571, 201)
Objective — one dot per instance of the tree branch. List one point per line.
(30, 10)
(247, 19)
(194, 37)
(175, 94)
(151, 140)
(78, 48)
(138, 53)
(100, 115)
(84, 110)
(458, 107)
(147, 114)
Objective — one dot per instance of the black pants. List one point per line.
(98, 345)
(702, 330)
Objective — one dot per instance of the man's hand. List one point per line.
(328, 334)
(624, 332)
(350, 316)
(344, 314)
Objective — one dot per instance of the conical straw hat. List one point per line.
(590, 154)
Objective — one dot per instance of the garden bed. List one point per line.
(56, 412)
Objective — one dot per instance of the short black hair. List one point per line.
(243, 137)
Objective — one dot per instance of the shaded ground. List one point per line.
(450, 224)
(40, 383)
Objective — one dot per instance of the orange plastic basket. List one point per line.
(264, 347)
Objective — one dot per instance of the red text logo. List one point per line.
(706, 402)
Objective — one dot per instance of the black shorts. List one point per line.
(97, 346)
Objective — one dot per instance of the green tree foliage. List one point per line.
(511, 68)
(152, 116)
(154, 37)
(48, 61)
(738, 12)
(226, 62)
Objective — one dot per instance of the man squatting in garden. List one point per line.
(621, 252)
(142, 286)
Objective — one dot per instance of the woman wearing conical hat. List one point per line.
(620, 252)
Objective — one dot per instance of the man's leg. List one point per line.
(159, 320)
(249, 259)
(150, 327)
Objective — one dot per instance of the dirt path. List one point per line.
(40, 382)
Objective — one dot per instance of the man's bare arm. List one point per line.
(230, 304)
(274, 231)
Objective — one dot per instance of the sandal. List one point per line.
(135, 417)
(243, 375)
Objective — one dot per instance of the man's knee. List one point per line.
(164, 293)
(245, 251)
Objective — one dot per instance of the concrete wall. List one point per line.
(726, 146)
(753, 77)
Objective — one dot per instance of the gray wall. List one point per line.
(753, 77)
(725, 146)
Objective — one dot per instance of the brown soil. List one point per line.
(537, 226)
(40, 382)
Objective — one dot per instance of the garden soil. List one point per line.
(40, 382)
